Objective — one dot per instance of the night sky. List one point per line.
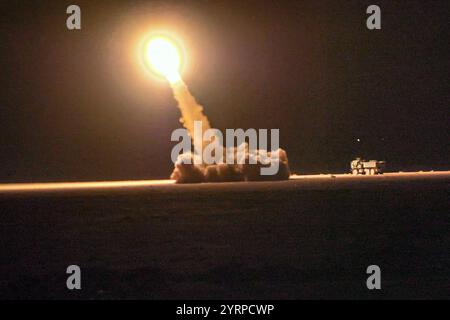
(76, 105)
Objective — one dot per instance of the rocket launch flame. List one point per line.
(163, 57)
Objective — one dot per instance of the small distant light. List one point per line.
(359, 140)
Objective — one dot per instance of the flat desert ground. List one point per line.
(306, 238)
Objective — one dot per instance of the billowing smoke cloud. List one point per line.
(186, 171)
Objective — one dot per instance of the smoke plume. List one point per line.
(188, 172)
(190, 111)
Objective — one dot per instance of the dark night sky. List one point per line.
(74, 105)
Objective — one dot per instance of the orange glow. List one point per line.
(61, 186)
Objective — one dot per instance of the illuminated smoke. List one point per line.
(192, 173)
(190, 111)
(222, 172)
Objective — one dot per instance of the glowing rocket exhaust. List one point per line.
(163, 56)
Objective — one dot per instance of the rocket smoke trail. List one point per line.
(190, 111)
(162, 56)
(186, 173)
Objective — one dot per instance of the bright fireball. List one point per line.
(163, 57)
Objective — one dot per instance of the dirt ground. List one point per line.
(309, 237)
